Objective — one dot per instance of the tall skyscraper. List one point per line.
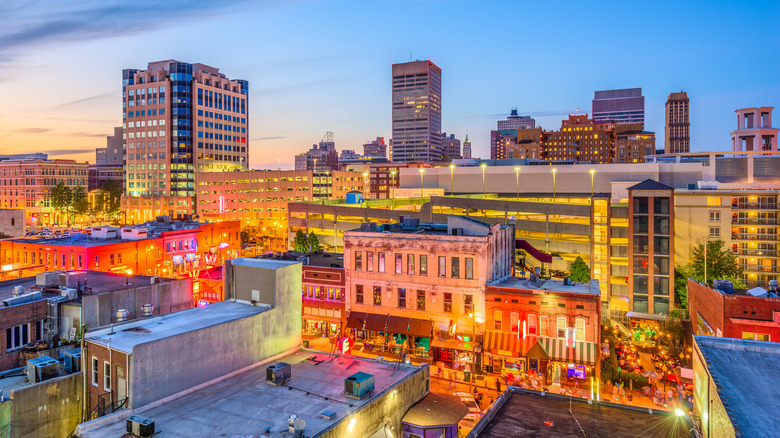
(416, 112)
(620, 106)
(678, 126)
(178, 119)
(467, 147)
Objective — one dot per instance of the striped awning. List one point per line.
(504, 343)
(582, 352)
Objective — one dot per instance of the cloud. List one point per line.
(268, 138)
(84, 134)
(31, 131)
(86, 100)
(56, 152)
(55, 21)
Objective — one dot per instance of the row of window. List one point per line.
(323, 293)
(543, 328)
(21, 335)
(420, 296)
(411, 269)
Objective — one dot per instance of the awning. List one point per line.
(453, 344)
(376, 322)
(420, 327)
(582, 352)
(496, 341)
(398, 325)
(648, 316)
(355, 320)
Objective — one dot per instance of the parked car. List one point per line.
(468, 400)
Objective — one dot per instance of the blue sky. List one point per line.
(318, 66)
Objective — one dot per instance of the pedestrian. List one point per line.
(498, 385)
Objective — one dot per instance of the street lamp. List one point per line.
(483, 165)
(517, 182)
(452, 169)
(392, 193)
(592, 172)
(553, 172)
(422, 171)
(366, 185)
(128, 273)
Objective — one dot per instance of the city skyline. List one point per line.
(59, 101)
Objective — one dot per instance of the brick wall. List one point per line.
(101, 353)
(707, 302)
(27, 313)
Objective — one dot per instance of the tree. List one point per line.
(580, 271)
(313, 242)
(79, 202)
(300, 243)
(60, 197)
(112, 191)
(681, 275)
(721, 264)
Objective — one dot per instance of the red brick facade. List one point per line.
(324, 296)
(31, 314)
(119, 365)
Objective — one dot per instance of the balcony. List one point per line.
(756, 252)
(760, 268)
(754, 237)
(754, 206)
(754, 221)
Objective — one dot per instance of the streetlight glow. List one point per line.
(517, 182)
(553, 172)
(421, 187)
(452, 170)
(592, 172)
(483, 165)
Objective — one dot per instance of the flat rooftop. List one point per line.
(525, 414)
(141, 331)
(525, 284)
(244, 405)
(98, 281)
(741, 370)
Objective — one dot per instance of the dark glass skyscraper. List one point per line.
(416, 112)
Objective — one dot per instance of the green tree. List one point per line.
(79, 203)
(313, 242)
(721, 264)
(60, 198)
(580, 272)
(681, 275)
(112, 191)
(300, 243)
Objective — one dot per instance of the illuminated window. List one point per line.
(579, 324)
(713, 200)
(532, 325)
(358, 294)
(544, 326)
(423, 265)
(514, 319)
(497, 319)
(561, 325)
(358, 260)
(381, 261)
(410, 264)
(447, 302)
(377, 295)
(420, 300)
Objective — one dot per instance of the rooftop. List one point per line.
(650, 184)
(543, 285)
(141, 331)
(244, 405)
(318, 258)
(528, 413)
(435, 410)
(741, 370)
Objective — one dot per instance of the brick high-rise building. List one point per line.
(506, 133)
(678, 126)
(375, 148)
(450, 146)
(467, 147)
(620, 106)
(178, 119)
(416, 112)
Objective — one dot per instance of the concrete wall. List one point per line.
(709, 303)
(12, 222)
(5, 419)
(47, 409)
(386, 409)
(167, 297)
(167, 366)
(707, 405)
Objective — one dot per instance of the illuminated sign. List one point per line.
(203, 303)
(524, 329)
(571, 337)
(221, 203)
(345, 345)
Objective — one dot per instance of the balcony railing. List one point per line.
(760, 268)
(756, 237)
(754, 205)
(755, 221)
(757, 252)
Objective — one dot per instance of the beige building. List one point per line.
(754, 130)
(416, 272)
(678, 126)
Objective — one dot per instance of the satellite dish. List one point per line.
(299, 424)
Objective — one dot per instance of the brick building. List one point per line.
(731, 313)
(22, 318)
(535, 325)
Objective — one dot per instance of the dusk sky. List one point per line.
(316, 66)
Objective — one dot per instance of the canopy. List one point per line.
(648, 316)
(582, 352)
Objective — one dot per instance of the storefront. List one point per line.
(504, 353)
(577, 363)
(391, 334)
(458, 353)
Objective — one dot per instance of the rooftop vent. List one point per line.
(358, 385)
(121, 315)
(724, 285)
(147, 310)
(140, 426)
(72, 360)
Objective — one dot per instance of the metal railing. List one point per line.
(757, 252)
(759, 268)
(754, 205)
(747, 236)
(755, 221)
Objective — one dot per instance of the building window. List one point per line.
(381, 260)
(579, 325)
(17, 337)
(497, 320)
(468, 304)
(755, 336)
(442, 266)
(97, 262)
(714, 231)
(532, 324)
(561, 327)
(420, 300)
(410, 264)
(714, 216)
(107, 376)
(377, 295)
(469, 268)
(514, 324)
(544, 326)
(358, 260)
(713, 200)
(402, 298)
(423, 265)
(455, 267)
(111, 259)
(94, 371)
(358, 294)
(447, 302)
(369, 261)
(399, 264)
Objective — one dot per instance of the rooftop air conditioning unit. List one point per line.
(278, 373)
(42, 368)
(72, 360)
(358, 385)
(140, 426)
(71, 293)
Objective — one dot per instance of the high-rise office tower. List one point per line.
(467, 147)
(375, 148)
(515, 121)
(620, 106)
(178, 119)
(416, 112)
(678, 126)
